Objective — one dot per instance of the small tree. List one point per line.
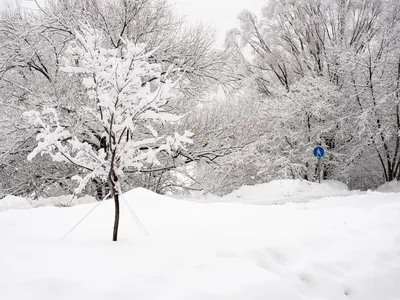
(128, 97)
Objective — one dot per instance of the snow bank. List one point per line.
(335, 248)
(274, 192)
(11, 202)
(284, 191)
(14, 202)
(389, 187)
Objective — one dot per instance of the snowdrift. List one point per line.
(14, 202)
(283, 191)
(389, 187)
(274, 192)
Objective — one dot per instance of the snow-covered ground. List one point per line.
(287, 191)
(341, 247)
(13, 202)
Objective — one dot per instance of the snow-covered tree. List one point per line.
(223, 131)
(31, 46)
(128, 100)
(327, 73)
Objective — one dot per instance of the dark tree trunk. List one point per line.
(116, 219)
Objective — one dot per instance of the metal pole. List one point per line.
(319, 169)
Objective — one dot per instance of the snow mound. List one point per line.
(389, 187)
(143, 194)
(15, 202)
(287, 190)
(135, 195)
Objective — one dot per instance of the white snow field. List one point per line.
(338, 247)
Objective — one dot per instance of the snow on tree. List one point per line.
(32, 44)
(128, 97)
(327, 72)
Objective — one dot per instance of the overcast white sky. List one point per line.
(221, 14)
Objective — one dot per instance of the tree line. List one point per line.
(97, 85)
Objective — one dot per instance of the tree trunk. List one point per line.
(116, 219)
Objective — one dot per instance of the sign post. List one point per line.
(319, 152)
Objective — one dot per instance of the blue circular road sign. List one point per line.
(319, 152)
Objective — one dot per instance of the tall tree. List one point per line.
(341, 55)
